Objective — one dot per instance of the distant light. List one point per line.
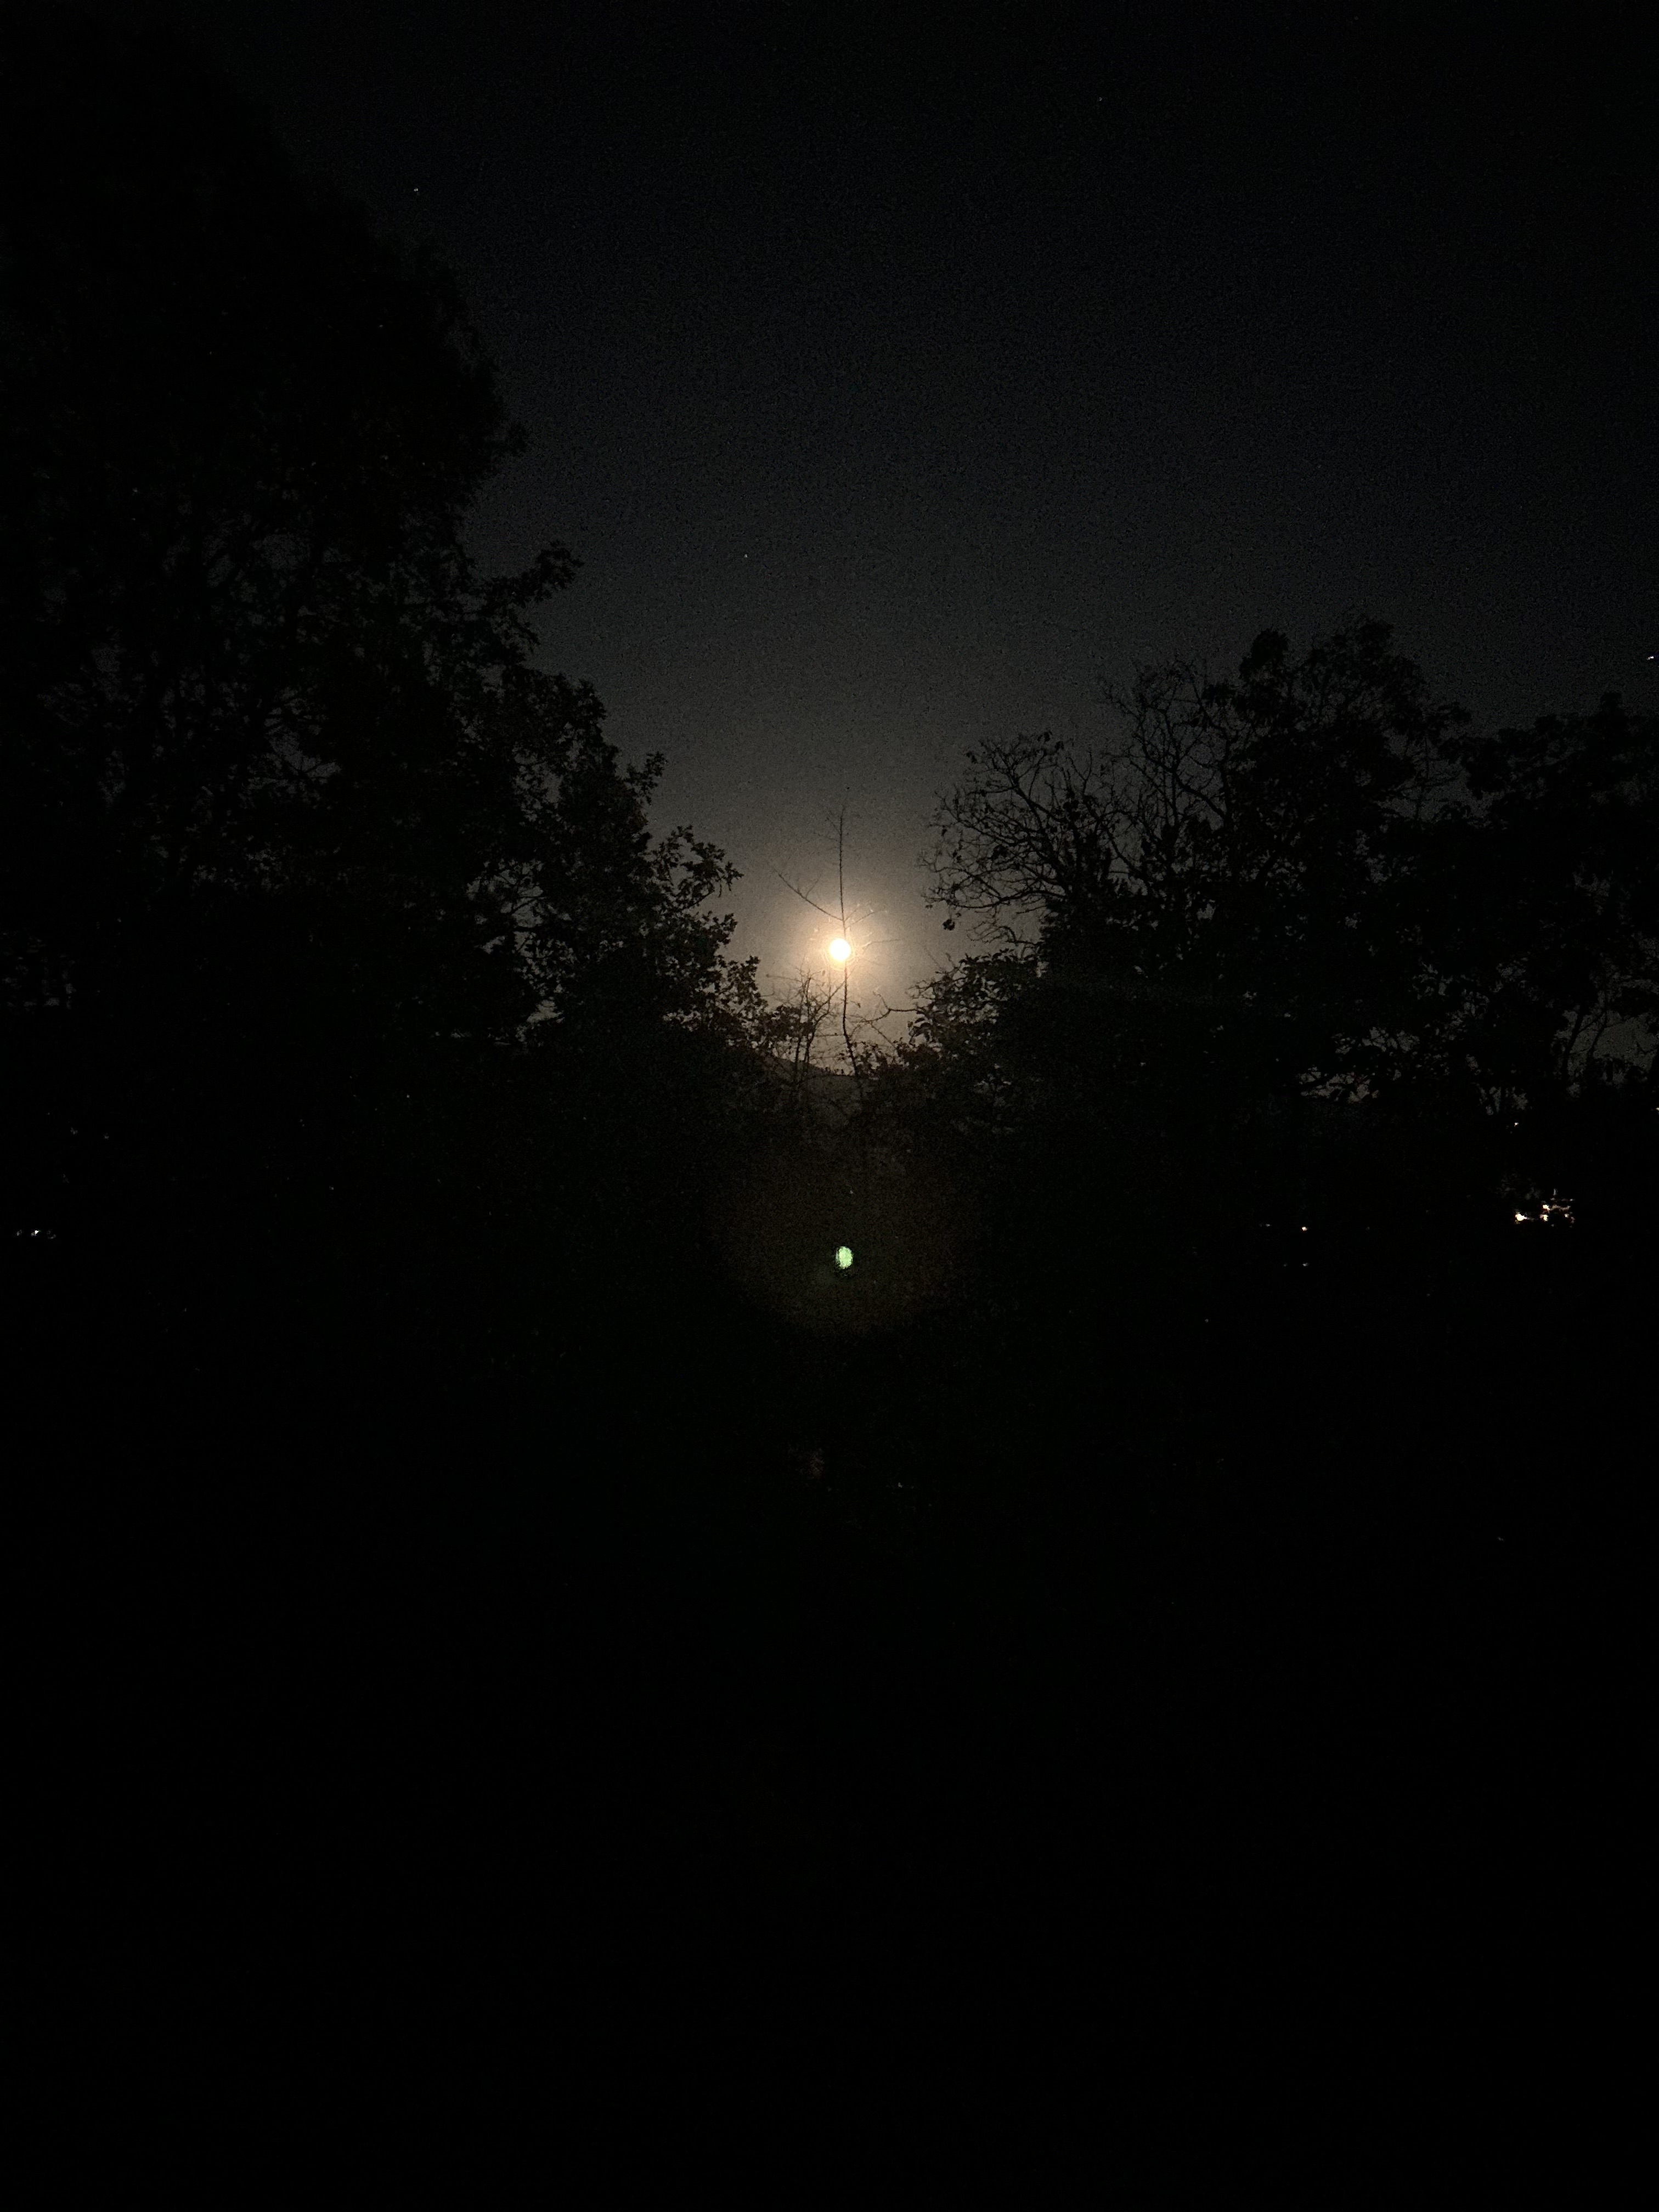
(843, 1256)
(840, 949)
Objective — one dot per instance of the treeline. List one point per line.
(1300, 948)
(340, 961)
(341, 966)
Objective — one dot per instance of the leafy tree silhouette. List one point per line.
(1533, 911)
(1304, 890)
(298, 840)
(371, 1057)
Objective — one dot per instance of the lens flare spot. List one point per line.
(843, 1256)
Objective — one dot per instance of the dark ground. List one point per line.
(1228, 1735)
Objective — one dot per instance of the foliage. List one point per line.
(1531, 914)
(1214, 872)
(294, 831)
(1304, 888)
(254, 666)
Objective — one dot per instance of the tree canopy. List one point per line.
(292, 823)
(1308, 885)
(254, 667)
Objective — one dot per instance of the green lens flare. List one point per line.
(843, 1255)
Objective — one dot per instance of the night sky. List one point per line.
(899, 376)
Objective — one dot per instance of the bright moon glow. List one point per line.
(840, 949)
(843, 1255)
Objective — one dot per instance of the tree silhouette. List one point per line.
(1532, 910)
(1305, 890)
(291, 824)
(1221, 862)
(1187, 946)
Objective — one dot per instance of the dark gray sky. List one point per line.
(898, 375)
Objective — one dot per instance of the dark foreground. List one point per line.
(982, 1748)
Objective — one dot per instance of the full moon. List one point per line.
(840, 949)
